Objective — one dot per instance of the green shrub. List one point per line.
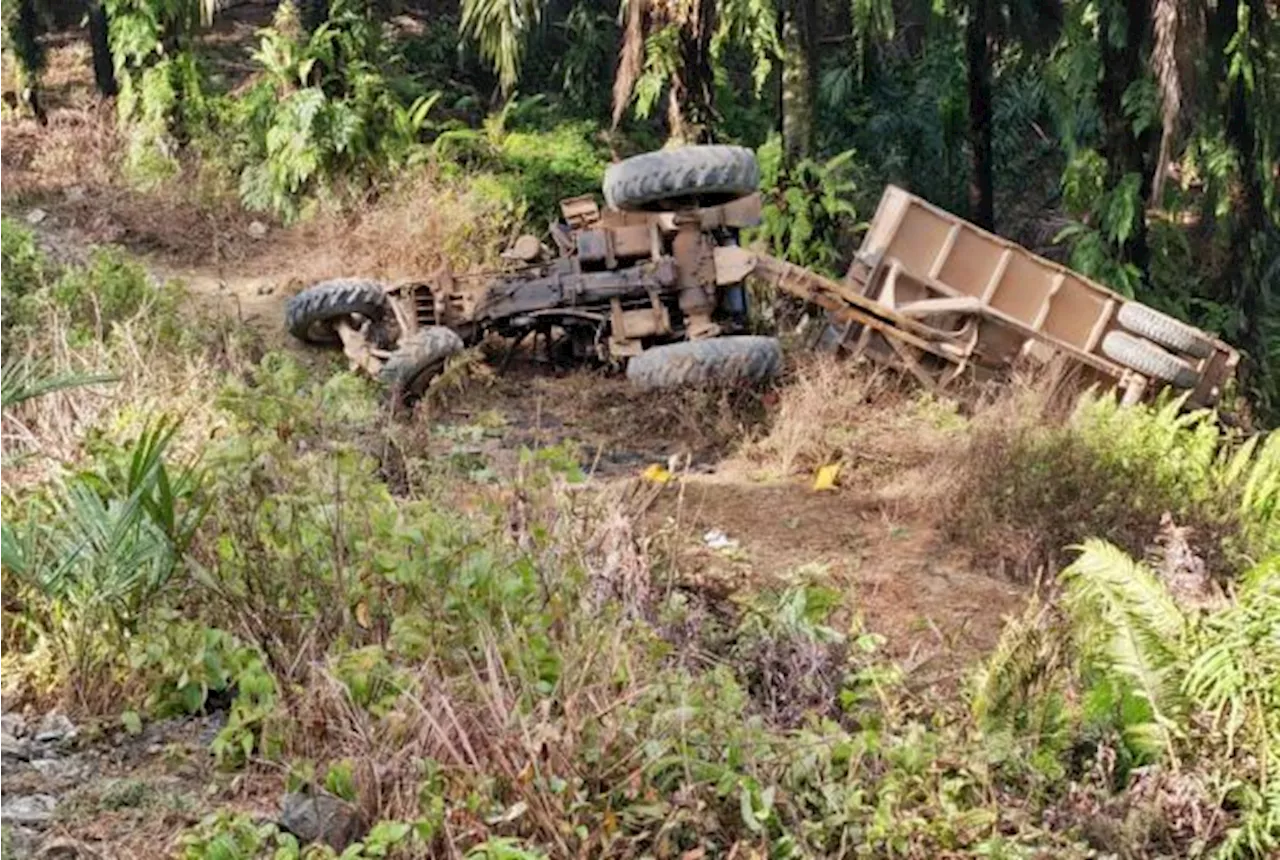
(540, 168)
(161, 100)
(1152, 681)
(111, 289)
(1114, 472)
(24, 272)
(808, 208)
(525, 159)
(185, 663)
(328, 108)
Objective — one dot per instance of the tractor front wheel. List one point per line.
(312, 315)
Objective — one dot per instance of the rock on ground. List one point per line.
(55, 727)
(320, 818)
(31, 809)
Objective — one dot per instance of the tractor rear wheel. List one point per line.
(737, 360)
(419, 358)
(688, 177)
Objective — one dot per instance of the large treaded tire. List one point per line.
(1148, 359)
(738, 360)
(680, 178)
(418, 358)
(310, 314)
(1163, 329)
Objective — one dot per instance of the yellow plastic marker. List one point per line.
(826, 477)
(656, 474)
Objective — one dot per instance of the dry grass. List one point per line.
(153, 378)
(883, 432)
(818, 416)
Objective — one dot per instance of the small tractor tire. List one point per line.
(418, 359)
(311, 314)
(1148, 359)
(1163, 329)
(736, 360)
(672, 179)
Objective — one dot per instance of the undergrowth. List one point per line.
(523, 674)
(1030, 488)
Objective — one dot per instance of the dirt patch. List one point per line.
(611, 429)
(924, 595)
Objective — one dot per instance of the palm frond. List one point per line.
(1026, 657)
(501, 29)
(22, 380)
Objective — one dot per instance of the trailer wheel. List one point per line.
(673, 179)
(311, 314)
(1148, 359)
(418, 358)
(736, 360)
(1163, 329)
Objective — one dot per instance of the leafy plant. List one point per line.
(23, 274)
(808, 209)
(328, 107)
(111, 289)
(93, 555)
(249, 726)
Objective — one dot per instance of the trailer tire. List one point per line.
(1163, 329)
(736, 360)
(672, 179)
(1148, 359)
(311, 314)
(418, 358)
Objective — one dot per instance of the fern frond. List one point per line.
(1236, 673)
(1129, 628)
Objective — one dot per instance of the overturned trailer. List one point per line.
(942, 298)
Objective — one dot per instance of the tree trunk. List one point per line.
(104, 67)
(978, 54)
(1126, 153)
(313, 13)
(23, 26)
(691, 101)
(1248, 219)
(799, 44)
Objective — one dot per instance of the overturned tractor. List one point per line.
(656, 279)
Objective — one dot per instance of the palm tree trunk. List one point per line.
(104, 67)
(691, 99)
(23, 26)
(799, 43)
(1126, 152)
(978, 55)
